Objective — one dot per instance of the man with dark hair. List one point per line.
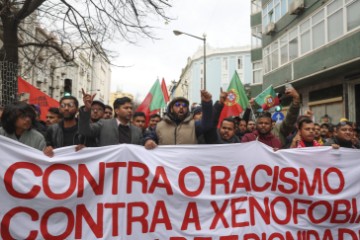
(306, 135)
(197, 113)
(39, 125)
(17, 121)
(226, 132)
(326, 131)
(108, 113)
(317, 135)
(251, 126)
(97, 113)
(97, 110)
(178, 125)
(139, 120)
(53, 116)
(110, 131)
(154, 119)
(343, 137)
(263, 132)
(241, 131)
(64, 133)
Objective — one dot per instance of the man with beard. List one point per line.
(263, 132)
(110, 131)
(53, 116)
(97, 113)
(226, 132)
(317, 135)
(65, 132)
(178, 125)
(305, 136)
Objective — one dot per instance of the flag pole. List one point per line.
(252, 111)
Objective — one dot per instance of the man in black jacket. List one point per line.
(64, 133)
(343, 137)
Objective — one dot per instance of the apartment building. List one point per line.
(315, 46)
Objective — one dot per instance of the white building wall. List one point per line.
(221, 64)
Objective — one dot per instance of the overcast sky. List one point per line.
(226, 23)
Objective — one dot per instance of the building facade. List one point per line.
(315, 46)
(44, 68)
(221, 64)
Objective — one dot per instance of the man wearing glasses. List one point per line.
(178, 125)
(97, 112)
(65, 132)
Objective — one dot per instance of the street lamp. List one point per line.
(177, 33)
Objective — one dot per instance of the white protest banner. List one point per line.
(203, 192)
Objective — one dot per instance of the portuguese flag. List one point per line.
(267, 99)
(236, 100)
(153, 101)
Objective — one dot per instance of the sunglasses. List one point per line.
(180, 104)
(70, 105)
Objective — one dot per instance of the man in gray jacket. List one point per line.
(110, 131)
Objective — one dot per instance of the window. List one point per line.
(255, 6)
(274, 11)
(335, 25)
(284, 52)
(353, 16)
(305, 37)
(274, 55)
(267, 59)
(284, 7)
(257, 72)
(335, 19)
(293, 45)
(225, 63)
(318, 29)
(239, 63)
(256, 37)
(277, 10)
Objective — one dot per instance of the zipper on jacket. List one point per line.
(175, 134)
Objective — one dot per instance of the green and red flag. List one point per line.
(267, 99)
(165, 91)
(236, 100)
(153, 101)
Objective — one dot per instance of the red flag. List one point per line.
(37, 97)
(153, 101)
(236, 100)
(165, 91)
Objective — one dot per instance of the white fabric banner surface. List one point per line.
(227, 192)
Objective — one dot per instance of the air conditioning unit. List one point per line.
(270, 28)
(296, 7)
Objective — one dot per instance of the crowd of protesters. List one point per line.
(96, 124)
